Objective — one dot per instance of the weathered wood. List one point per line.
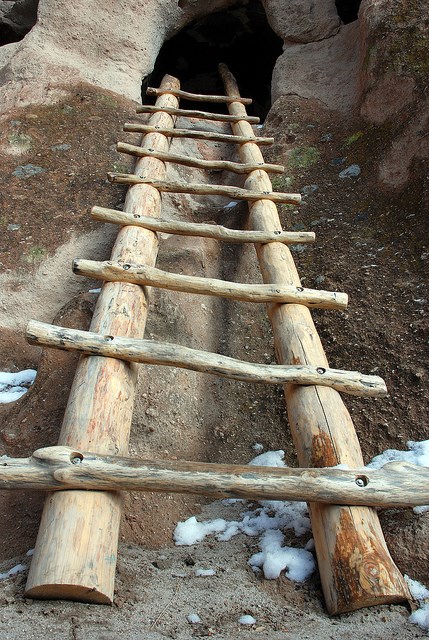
(197, 97)
(173, 355)
(196, 134)
(258, 293)
(200, 163)
(205, 189)
(355, 566)
(202, 115)
(217, 232)
(75, 558)
(397, 484)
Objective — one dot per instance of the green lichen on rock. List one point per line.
(354, 137)
(21, 142)
(303, 157)
(281, 182)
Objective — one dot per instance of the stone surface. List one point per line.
(113, 47)
(327, 70)
(298, 21)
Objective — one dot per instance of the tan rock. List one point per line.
(297, 21)
(327, 71)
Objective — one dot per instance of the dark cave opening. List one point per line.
(241, 37)
(17, 20)
(348, 10)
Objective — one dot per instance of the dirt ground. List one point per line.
(371, 242)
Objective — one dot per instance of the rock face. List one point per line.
(326, 70)
(297, 21)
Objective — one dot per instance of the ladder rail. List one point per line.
(322, 429)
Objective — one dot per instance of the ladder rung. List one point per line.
(196, 134)
(205, 189)
(173, 355)
(200, 229)
(150, 276)
(210, 165)
(396, 484)
(203, 115)
(197, 97)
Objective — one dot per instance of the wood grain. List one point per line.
(360, 573)
(76, 558)
(196, 134)
(174, 355)
(397, 484)
(202, 115)
(200, 163)
(258, 293)
(197, 97)
(205, 189)
(217, 232)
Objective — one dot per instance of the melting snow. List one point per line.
(204, 573)
(421, 594)
(14, 385)
(266, 522)
(418, 454)
(193, 618)
(18, 568)
(272, 516)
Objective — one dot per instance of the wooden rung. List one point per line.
(205, 189)
(196, 134)
(213, 165)
(202, 115)
(145, 275)
(197, 97)
(397, 484)
(173, 355)
(217, 232)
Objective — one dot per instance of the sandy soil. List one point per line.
(370, 243)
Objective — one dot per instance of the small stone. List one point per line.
(362, 216)
(27, 170)
(327, 137)
(309, 189)
(319, 279)
(298, 248)
(152, 412)
(13, 227)
(337, 161)
(298, 226)
(162, 563)
(193, 618)
(61, 147)
(353, 171)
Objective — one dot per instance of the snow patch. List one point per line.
(15, 385)
(417, 454)
(193, 618)
(265, 521)
(421, 594)
(204, 573)
(18, 568)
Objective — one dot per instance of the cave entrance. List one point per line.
(348, 10)
(17, 18)
(241, 37)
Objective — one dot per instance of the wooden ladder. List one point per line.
(76, 549)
